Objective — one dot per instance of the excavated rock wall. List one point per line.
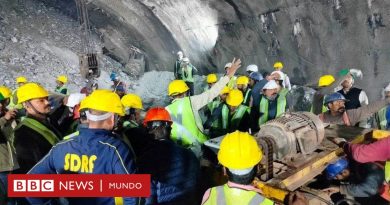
(311, 37)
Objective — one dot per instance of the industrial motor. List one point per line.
(292, 134)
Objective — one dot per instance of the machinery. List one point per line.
(88, 58)
(296, 149)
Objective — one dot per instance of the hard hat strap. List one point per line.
(95, 118)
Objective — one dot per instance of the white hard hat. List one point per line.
(228, 65)
(252, 68)
(387, 88)
(270, 85)
(180, 53)
(75, 99)
(186, 60)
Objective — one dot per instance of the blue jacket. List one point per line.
(257, 88)
(108, 154)
(174, 171)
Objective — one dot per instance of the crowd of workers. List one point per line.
(46, 132)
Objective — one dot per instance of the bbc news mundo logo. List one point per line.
(79, 185)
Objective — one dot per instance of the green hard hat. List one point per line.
(343, 72)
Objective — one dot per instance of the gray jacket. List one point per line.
(8, 160)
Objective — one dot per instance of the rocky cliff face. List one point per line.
(311, 37)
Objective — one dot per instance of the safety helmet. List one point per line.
(332, 170)
(228, 65)
(225, 90)
(252, 68)
(113, 76)
(278, 65)
(179, 53)
(242, 80)
(30, 91)
(325, 80)
(256, 76)
(177, 87)
(334, 97)
(103, 100)
(234, 98)
(343, 72)
(157, 114)
(186, 60)
(211, 78)
(6, 92)
(62, 79)
(270, 85)
(239, 150)
(21, 79)
(132, 101)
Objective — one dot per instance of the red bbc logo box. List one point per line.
(79, 185)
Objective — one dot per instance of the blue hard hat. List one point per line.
(256, 76)
(332, 170)
(113, 76)
(334, 97)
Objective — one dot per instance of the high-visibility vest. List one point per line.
(382, 118)
(61, 89)
(130, 124)
(212, 105)
(232, 82)
(236, 118)
(13, 103)
(224, 195)
(185, 127)
(35, 125)
(186, 73)
(247, 97)
(263, 108)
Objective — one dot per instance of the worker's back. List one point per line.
(174, 171)
(94, 151)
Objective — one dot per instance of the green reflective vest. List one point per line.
(247, 97)
(232, 82)
(263, 108)
(382, 121)
(61, 90)
(13, 103)
(211, 106)
(130, 124)
(224, 195)
(186, 73)
(185, 127)
(236, 118)
(40, 128)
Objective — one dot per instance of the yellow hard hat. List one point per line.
(242, 80)
(234, 98)
(103, 100)
(278, 65)
(6, 92)
(325, 80)
(62, 79)
(211, 78)
(30, 91)
(177, 87)
(132, 101)
(239, 150)
(21, 79)
(225, 90)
